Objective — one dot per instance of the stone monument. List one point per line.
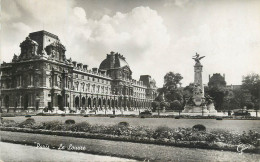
(198, 103)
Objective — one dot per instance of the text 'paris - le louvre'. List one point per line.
(41, 78)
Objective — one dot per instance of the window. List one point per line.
(83, 86)
(50, 82)
(77, 86)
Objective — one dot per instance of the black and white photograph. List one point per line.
(129, 80)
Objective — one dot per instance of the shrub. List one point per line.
(250, 138)
(70, 121)
(226, 136)
(162, 132)
(81, 127)
(53, 125)
(199, 127)
(37, 126)
(27, 123)
(123, 124)
(8, 123)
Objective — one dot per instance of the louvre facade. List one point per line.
(42, 78)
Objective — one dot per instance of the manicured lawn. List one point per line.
(231, 125)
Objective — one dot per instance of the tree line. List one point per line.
(172, 95)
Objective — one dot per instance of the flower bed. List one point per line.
(183, 137)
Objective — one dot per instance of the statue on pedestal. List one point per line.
(198, 103)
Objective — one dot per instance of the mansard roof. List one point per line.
(43, 32)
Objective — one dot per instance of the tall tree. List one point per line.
(217, 93)
(251, 84)
(171, 87)
(176, 105)
(172, 80)
(159, 103)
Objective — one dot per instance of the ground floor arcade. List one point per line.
(42, 99)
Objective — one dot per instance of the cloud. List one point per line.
(47, 11)
(10, 44)
(155, 39)
(10, 6)
(178, 3)
(80, 14)
(139, 33)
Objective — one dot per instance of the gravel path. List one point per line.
(15, 152)
(129, 150)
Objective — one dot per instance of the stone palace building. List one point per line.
(41, 77)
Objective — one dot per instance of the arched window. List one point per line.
(83, 87)
(98, 88)
(93, 88)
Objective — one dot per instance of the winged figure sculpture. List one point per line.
(197, 58)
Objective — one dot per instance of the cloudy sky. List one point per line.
(155, 36)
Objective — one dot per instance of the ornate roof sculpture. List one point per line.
(28, 42)
(29, 49)
(113, 60)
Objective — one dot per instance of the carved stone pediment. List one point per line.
(28, 42)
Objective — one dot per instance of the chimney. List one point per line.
(95, 70)
(112, 59)
(85, 67)
(79, 65)
(74, 63)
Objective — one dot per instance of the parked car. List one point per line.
(241, 113)
(146, 112)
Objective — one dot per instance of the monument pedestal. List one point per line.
(199, 109)
(211, 108)
(194, 103)
(195, 109)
